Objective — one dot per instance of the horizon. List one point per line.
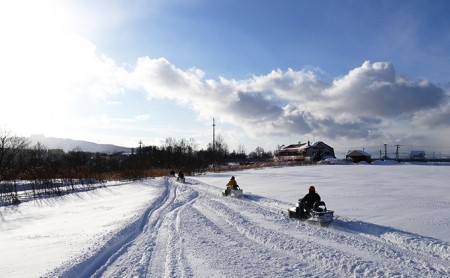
(353, 75)
(374, 151)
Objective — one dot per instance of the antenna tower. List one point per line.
(214, 145)
(397, 156)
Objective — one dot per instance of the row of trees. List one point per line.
(53, 170)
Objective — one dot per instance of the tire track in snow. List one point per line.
(94, 264)
(259, 254)
(171, 243)
(136, 246)
(384, 243)
(157, 251)
(428, 255)
(377, 252)
(239, 220)
(436, 249)
(215, 249)
(316, 259)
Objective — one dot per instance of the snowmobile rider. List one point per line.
(180, 176)
(231, 185)
(307, 202)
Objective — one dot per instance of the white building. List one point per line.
(417, 155)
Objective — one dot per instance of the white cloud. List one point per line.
(357, 105)
(292, 85)
(438, 117)
(142, 117)
(374, 90)
(160, 79)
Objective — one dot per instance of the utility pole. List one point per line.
(214, 145)
(385, 152)
(397, 157)
(140, 156)
(140, 147)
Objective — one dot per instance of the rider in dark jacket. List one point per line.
(180, 176)
(307, 202)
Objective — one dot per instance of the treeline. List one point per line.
(53, 171)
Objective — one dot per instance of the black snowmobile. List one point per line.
(319, 214)
(181, 178)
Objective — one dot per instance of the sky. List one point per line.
(353, 74)
(159, 227)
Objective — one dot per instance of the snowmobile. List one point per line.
(236, 192)
(319, 214)
(181, 179)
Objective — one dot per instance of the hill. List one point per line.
(70, 144)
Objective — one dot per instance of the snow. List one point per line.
(390, 221)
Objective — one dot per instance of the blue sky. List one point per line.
(354, 74)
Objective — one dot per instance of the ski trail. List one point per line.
(156, 251)
(91, 264)
(142, 243)
(176, 260)
(168, 256)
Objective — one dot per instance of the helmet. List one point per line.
(312, 189)
(232, 177)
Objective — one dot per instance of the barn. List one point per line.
(315, 151)
(357, 156)
(290, 153)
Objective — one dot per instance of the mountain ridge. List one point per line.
(71, 144)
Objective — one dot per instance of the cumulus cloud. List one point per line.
(300, 85)
(355, 105)
(161, 79)
(433, 118)
(374, 90)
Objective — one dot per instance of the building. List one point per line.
(305, 152)
(417, 155)
(290, 153)
(357, 156)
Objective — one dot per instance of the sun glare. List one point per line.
(35, 83)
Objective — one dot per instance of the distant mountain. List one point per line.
(70, 144)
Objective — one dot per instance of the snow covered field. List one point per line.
(391, 221)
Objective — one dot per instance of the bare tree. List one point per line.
(259, 152)
(220, 149)
(241, 149)
(10, 148)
